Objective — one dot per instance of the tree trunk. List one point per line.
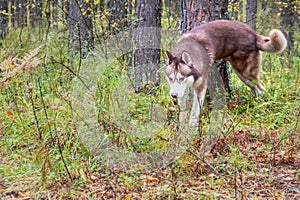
(195, 12)
(36, 18)
(264, 4)
(16, 13)
(251, 11)
(80, 28)
(3, 18)
(147, 41)
(117, 16)
(290, 21)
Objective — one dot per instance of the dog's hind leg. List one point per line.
(258, 88)
(248, 69)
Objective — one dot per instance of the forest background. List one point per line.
(86, 114)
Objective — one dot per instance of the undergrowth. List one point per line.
(43, 153)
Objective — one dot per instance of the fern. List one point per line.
(13, 66)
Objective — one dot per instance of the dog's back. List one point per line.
(222, 38)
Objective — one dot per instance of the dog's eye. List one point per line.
(181, 79)
(171, 79)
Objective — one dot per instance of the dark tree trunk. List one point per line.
(195, 12)
(16, 13)
(37, 15)
(3, 18)
(264, 4)
(147, 40)
(80, 28)
(290, 21)
(251, 11)
(117, 16)
(218, 9)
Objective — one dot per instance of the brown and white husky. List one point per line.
(191, 60)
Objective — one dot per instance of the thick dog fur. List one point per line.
(191, 60)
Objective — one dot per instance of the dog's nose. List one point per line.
(174, 94)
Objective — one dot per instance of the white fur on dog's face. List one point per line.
(179, 73)
(179, 83)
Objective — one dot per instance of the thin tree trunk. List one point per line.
(117, 16)
(147, 39)
(36, 18)
(16, 15)
(251, 11)
(80, 28)
(290, 21)
(264, 4)
(3, 18)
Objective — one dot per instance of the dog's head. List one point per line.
(179, 74)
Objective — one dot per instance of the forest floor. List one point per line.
(268, 174)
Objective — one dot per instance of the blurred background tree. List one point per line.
(3, 18)
(148, 28)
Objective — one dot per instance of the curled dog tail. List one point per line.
(276, 42)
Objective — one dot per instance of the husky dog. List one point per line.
(191, 60)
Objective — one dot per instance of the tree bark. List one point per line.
(290, 21)
(117, 16)
(3, 18)
(37, 14)
(147, 42)
(193, 13)
(251, 11)
(80, 28)
(264, 4)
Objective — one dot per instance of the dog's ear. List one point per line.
(170, 57)
(186, 58)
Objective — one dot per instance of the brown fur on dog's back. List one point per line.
(222, 38)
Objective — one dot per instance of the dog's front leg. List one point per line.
(195, 112)
(183, 109)
(198, 101)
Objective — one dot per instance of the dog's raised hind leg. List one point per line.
(258, 88)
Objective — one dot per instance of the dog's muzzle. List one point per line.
(174, 95)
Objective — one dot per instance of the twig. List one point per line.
(191, 152)
(36, 121)
(70, 70)
(297, 121)
(201, 159)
